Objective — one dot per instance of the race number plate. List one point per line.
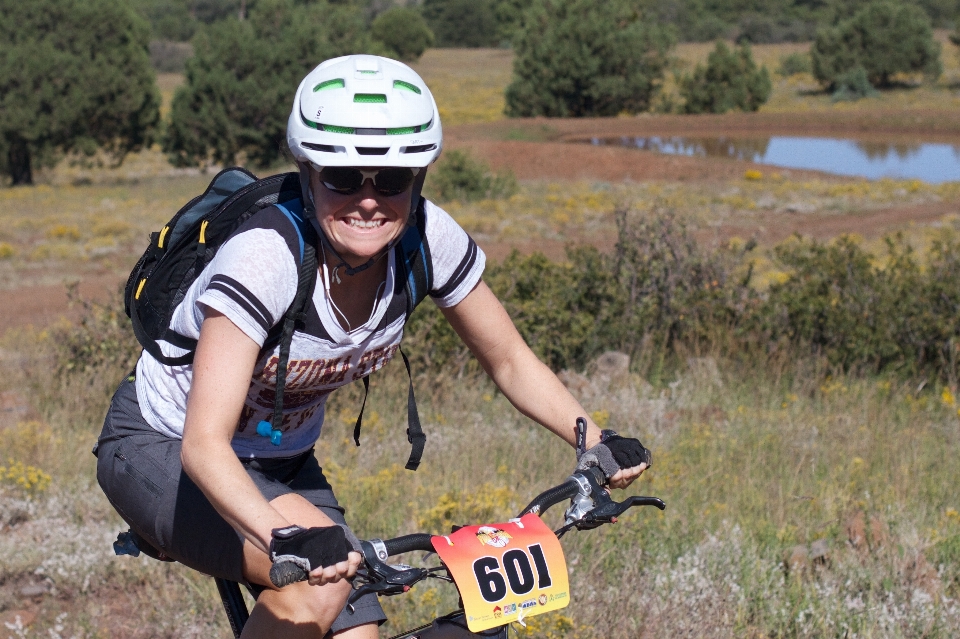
(506, 572)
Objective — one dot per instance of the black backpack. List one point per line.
(180, 251)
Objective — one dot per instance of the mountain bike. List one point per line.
(504, 572)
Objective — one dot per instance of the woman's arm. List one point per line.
(484, 326)
(222, 369)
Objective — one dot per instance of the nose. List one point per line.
(368, 196)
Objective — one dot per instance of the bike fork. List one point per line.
(233, 604)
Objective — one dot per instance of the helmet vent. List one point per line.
(329, 84)
(325, 148)
(372, 150)
(400, 84)
(371, 131)
(418, 149)
(370, 98)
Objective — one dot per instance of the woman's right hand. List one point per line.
(322, 552)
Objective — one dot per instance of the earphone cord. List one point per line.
(326, 286)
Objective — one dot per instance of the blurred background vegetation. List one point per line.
(572, 58)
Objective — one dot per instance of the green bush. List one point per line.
(75, 76)
(462, 23)
(884, 38)
(794, 63)
(243, 74)
(577, 58)
(852, 86)
(458, 176)
(404, 32)
(729, 81)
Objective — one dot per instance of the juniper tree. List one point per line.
(729, 81)
(243, 75)
(75, 76)
(404, 32)
(584, 58)
(884, 38)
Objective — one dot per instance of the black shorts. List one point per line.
(139, 470)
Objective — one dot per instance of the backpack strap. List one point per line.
(295, 315)
(414, 258)
(413, 263)
(415, 434)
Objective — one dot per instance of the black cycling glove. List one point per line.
(613, 453)
(309, 548)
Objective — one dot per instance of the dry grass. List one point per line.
(467, 84)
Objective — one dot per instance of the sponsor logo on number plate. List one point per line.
(490, 536)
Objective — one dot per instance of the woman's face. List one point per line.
(360, 225)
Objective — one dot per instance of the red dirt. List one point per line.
(44, 304)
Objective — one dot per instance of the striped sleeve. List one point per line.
(457, 260)
(252, 280)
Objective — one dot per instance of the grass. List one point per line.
(762, 471)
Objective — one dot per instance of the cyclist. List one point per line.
(180, 457)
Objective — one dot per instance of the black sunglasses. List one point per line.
(348, 180)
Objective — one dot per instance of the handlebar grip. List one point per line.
(554, 495)
(285, 573)
(408, 543)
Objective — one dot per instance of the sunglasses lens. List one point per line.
(347, 180)
(344, 180)
(393, 181)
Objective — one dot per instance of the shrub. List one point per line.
(458, 176)
(730, 80)
(795, 63)
(853, 85)
(462, 23)
(81, 86)
(583, 58)
(884, 38)
(243, 74)
(404, 32)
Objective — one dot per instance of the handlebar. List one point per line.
(408, 543)
(591, 506)
(567, 490)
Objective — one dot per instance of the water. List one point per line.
(931, 162)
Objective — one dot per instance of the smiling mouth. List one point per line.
(365, 224)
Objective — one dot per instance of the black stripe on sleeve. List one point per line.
(460, 273)
(244, 298)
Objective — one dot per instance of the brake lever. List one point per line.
(608, 512)
(394, 584)
(380, 577)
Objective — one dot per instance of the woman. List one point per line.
(210, 492)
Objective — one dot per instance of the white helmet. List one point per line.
(364, 110)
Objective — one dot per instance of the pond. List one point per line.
(931, 162)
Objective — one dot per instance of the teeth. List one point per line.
(362, 224)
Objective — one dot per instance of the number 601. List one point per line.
(516, 564)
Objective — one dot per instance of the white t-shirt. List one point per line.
(253, 280)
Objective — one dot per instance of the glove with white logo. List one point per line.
(309, 548)
(612, 454)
